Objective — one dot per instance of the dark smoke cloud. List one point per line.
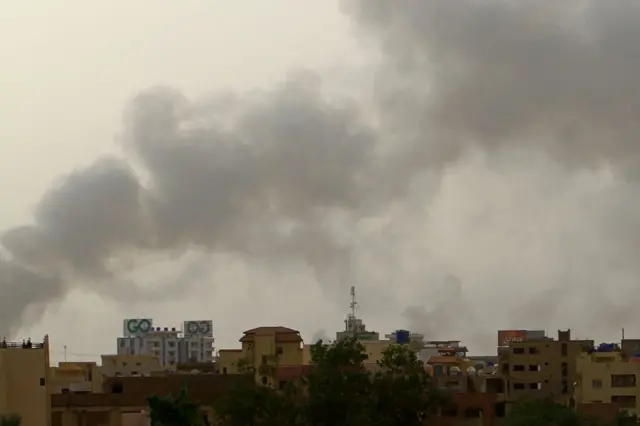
(511, 80)
(503, 153)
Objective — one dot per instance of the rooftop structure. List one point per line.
(354, 326)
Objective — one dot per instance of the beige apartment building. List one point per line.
(541, 367)
(608, 377)
(263, 349)
(24, 379)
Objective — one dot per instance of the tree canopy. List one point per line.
(338, 390)
(175, 411)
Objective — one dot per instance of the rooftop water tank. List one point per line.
(402, 337)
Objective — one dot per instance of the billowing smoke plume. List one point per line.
(503, 153)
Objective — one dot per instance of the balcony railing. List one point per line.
(21, 345)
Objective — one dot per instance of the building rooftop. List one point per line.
(282, 334)
(25, 344)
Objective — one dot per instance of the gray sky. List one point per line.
(70, 67)
(468, 165)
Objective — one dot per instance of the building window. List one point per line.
(564, 350)
(505, 368)
(565, 387)
(623, 380)
(534, 368)
(224, 370)
(42, 381)
(171, 344)
(533, 351)
(124, 364)
(279, 350)
(265, 380)
(518, 386)
(518, 368)
(564, 369)
(265, 359)
(625, 401)
(596, 383)
(518, 351)
(535, 386)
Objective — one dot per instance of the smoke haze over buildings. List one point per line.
(496, 186)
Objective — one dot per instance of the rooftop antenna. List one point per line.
(352, 316)
(354, 304)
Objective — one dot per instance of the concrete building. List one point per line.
(194, 343)
(132, 366)
(541, 367)
(75, 377)
(608, 375)
(24, 381)
(263, 349)
(123, 400)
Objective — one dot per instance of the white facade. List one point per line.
(171, 346)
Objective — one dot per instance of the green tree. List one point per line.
(338, 387)
(10, 420)
(403, 391)
(252, 404)
(175, 411)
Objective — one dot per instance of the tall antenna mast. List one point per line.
(353, 303)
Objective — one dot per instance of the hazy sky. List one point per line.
(468, 165)
(70, 67)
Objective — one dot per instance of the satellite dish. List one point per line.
(454, 371)
(471, 371)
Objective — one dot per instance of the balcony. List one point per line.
(21, 345)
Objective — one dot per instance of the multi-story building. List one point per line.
(194, 343)
(24, 381)
(540, 366)
(607, 375)
(263, 349)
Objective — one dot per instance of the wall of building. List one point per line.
(228, 361)
(75, 377)
(24, 380)
(605, 377)
(131, 365)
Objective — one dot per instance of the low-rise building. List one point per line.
(132, 365)
(24, 381)
(123, 400)
(75, 377)
(608, 375)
